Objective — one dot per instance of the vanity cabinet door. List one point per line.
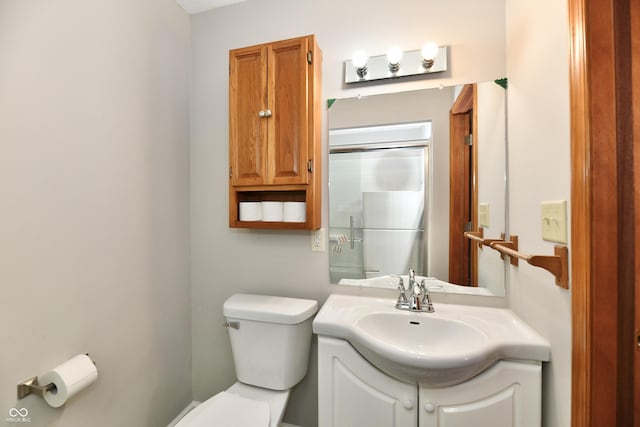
(506, 395)
(352, 393)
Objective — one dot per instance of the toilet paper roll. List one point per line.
(295, 211)
(69, 378)
(272, 211)
(250, 211)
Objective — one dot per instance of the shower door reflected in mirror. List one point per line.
(390, 187)
(378, 180)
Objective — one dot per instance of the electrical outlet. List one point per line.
(318, 240)
(554, 221)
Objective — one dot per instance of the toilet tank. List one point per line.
(272, 342)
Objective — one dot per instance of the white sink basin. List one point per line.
(403, 330)
(433, 349)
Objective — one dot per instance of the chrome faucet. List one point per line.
(418, 298)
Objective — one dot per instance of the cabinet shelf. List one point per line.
(265, 225)
(272, 194)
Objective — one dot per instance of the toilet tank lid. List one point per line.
(271, 309)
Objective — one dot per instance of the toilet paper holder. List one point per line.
(31, 385)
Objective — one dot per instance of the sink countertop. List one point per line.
(435, 349)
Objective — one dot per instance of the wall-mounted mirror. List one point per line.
(409, 173)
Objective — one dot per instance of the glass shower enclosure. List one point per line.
(378, 200)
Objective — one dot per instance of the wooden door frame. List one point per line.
(603, 252)
(466, 102)
(635, 96)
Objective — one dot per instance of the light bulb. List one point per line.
(394, 55)
(429, 53)
(359, 59)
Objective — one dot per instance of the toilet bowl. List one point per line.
(270, 341)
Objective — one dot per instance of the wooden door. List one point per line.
(288, 100)
(247, 127)
(604, 61)
(634, 18)
(463, 189)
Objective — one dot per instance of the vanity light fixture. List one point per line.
(396, 63)
(429, 53)
(394, 55)
(359, 61)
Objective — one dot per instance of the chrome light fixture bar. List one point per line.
(411, 63)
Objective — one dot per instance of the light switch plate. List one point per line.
(483, 215)
(318, 240)
(554, 221)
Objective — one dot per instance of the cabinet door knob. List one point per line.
(408, 404)
(429, 407)
(261, 113)
(267, 113)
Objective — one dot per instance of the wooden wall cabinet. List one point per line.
(274, 128)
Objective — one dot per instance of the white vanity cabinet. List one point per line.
(354, 393)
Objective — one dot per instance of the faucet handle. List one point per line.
(400, 280)
(402, 297)
(423, 287)
(426, 298)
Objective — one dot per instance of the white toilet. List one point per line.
(270, 341)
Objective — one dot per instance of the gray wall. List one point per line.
(226, 260)
(537, 66)
(94, 206)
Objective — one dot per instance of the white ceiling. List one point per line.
(197, 6)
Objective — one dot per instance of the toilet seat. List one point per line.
(228, 410)
(241, 405)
